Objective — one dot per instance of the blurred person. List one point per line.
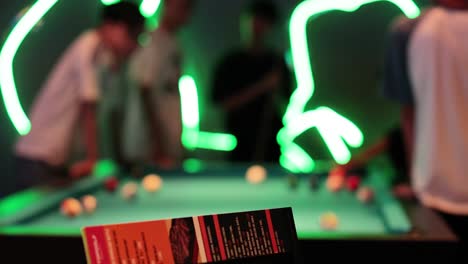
(64, 115)
(153, 121)
(252, 86)
(437, 64)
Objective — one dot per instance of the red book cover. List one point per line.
(198, 239)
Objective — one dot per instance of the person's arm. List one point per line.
(89, 127)
(228, 93)
(287, 88)
(88, 96)
(363, 158)
(407, 125)
(268, 83)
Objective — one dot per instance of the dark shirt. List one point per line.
(256, 123)
(397, 84)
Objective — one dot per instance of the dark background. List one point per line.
(346, 53)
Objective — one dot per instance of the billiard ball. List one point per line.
(71, 207)
(89, 203)
(152, 183)
(293, 181)
(256, 174)
(111, 184)
(129, 190)
(329, 221)
(352, 182)
(335, 182)
(365, 194)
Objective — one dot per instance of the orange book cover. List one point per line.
(197, 239)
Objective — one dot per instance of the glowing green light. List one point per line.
(16, 202)
(289, 165)
(192, 137)
(189, 101)
(299, 45)
(109, 2)
(7, 55)
(149, 7)
(105, 168)
(296, 159)
(190, 112)
(216, 141)
(333, 128)
(193, 165)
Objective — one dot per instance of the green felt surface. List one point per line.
(188, 195)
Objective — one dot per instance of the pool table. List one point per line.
(33, 216)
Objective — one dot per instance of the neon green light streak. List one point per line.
(296, 160)
(190, 112)
(289, 165)
(149, 7)
(189, 101)
(7, 55)
(299, 45)
(192, 137)
(333, 128)
(216, 141)
(105, 168)
(193, 165)
(109, 2)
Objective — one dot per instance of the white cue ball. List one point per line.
(89, 203)
(256, 174)
(152, 183)
(71, 207)
(129, 190)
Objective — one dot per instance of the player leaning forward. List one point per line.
(68, 117)
(153, 123)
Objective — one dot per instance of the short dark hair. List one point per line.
(264, 9)
(124, 12)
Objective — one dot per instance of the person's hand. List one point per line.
(81, 169)
(351, 165)
(403, 191)
(271, 81)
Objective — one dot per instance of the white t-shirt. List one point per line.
(156, 66)
(438, 63)
(55, 113)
